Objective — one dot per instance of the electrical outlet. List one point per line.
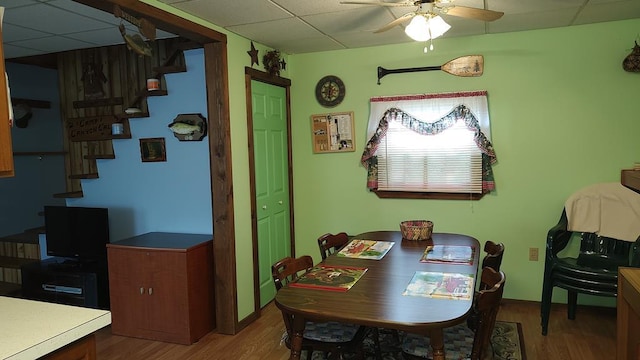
(533, 254)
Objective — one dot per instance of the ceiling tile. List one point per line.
(530, 21)
(45, 45)
(608, 11)
(228, 13)
(292, 26)
(50, 19)
(366, 19)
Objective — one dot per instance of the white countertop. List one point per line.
(30, 329)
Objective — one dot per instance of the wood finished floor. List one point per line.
(590, 337)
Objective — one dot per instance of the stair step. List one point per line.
(156, 93)
(100, 156)
(14, 262)
(84, 176)
(121, 136)
(9, 289)
(69, 195)
(172, 69)
(135, 115)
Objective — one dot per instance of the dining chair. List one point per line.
(330, 244)
(332, 338)
(486, 303)
(493, 257)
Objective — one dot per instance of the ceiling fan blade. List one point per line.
(395, 22)
(474, 13)
(379, 3)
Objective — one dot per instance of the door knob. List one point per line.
(264, 207)
(280, 202)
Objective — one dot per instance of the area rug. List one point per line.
(507, 344)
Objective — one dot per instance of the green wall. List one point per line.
(562, 113)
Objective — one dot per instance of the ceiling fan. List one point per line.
(430, 8)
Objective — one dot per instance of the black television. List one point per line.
(79, 233)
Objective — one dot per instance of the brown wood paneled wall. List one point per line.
(104, 82)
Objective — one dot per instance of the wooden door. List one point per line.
(127, 290)
(167, 306)
(271, 167)
(6, 151)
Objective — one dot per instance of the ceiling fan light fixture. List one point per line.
(426, 26)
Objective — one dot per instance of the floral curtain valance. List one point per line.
(459, 112)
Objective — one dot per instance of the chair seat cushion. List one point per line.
(330, 331)
(455, 338)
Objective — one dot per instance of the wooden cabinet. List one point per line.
(6, 150)
(161, 286)
(628, 314)
(631, 179)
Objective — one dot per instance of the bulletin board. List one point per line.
(333, 132)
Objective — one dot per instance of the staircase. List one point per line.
(15, 251)
(124, 92)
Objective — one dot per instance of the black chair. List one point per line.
(594, 271)
(486, 304)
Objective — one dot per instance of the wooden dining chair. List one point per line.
(486, 303)
(330, 244)
(493, 255)
(332, 338)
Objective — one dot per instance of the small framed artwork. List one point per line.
(153, 149)
(333, 132)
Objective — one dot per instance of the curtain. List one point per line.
(430, 115)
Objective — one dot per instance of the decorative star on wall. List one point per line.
(254, 55)
(283, 64)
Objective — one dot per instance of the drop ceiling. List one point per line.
(34, 27)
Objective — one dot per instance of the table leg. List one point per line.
(437, 344)
(296, 337)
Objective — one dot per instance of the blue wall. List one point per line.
(171, 196)
(37, 177)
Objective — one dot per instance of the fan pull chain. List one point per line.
(425, 50)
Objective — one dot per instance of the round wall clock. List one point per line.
(330, 91)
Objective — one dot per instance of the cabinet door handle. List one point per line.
(141, 290)
(150, 291)
(280, 202)
(264, 207)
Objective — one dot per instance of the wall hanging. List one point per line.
(152, 150)
(253, 53)
(189, 127)
(466, 66)
(333, 132)
(632, 62)
(272, 63)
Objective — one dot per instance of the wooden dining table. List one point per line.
(377, 299)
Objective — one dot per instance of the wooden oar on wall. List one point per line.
(467, 66)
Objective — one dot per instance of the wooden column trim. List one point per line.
(217, 83)
(224, 244)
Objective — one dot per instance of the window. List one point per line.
(430, 144)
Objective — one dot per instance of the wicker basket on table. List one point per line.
(416, 229)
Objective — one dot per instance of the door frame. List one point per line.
(220, 162)
(257, 75)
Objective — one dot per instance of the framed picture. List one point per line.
(152, 149)
(333, 132)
